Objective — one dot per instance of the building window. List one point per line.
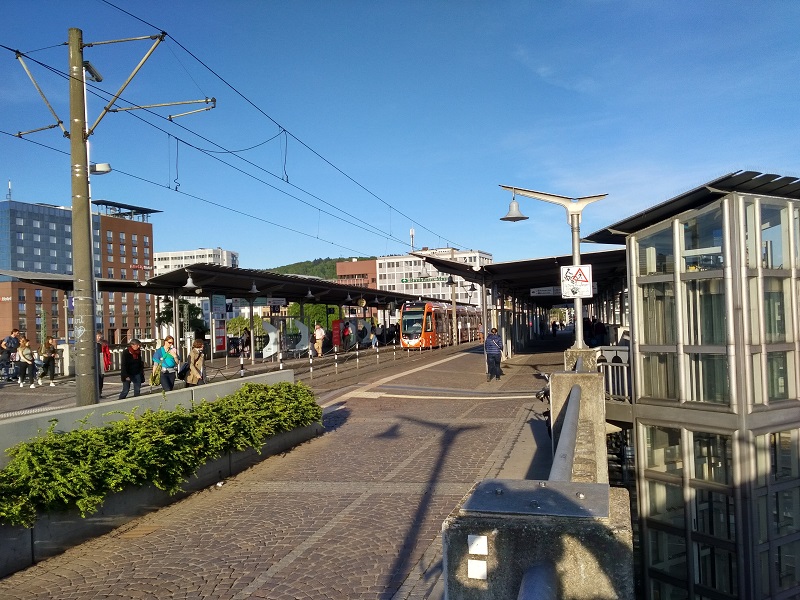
(68, 228)
(20, 221)
(53, 239)
(52, 226)
(37, 266)
(110, 272)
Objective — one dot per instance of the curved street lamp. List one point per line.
(574, 207)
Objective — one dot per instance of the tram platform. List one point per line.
(354, 513)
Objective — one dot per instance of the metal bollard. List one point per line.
(280, 361)
(241, 366)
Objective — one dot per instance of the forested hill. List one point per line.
(319, 267)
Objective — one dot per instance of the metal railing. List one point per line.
(613, 362)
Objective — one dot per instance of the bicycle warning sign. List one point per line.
(576, 281)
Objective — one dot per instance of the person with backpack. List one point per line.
(104, 360)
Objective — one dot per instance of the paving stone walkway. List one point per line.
(355, 513)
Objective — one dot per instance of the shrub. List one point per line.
(79, 468)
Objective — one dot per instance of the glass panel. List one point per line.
(666, 505)
(716, 568)
(763, 450)
(708, 374)
(664, 449)
(777, 297)
(780, 375)
(656, 254)
(774, 236)
(714, 514)
(705, 312)
(784, 455)
(751, 258)
(763, 572)
(787, 563)
(667, 553)
(796, 221)
(664, 591)
(758, 391)
(660, 375)
(762, 515)
(785, 508)
(712, 457)
(702, 241)
(658, 314)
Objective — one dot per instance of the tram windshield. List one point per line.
(412, 323)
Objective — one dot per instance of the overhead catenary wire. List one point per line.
(265, 114)
(201, 199)
(104, 95)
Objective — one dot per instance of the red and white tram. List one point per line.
(430, 324)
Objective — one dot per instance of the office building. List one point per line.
(37, 238)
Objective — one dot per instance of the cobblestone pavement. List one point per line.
(354, 513)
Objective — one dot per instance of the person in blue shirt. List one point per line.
(168, 357)
(494, 351)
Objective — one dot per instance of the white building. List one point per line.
(411, 275)
(177, 259)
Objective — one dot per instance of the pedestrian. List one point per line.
(8, 349)
(197, 361)
(49, 355)
(494, 351)
(346, 335)
(167, 356)
(319, 337)
(373, 337)
(26, 362)
(246, 342)
(554, 327)
(480, 332)
(103, 360)
(131, 369)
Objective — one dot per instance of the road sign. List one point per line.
(576, 281)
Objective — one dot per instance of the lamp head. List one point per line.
(513, 213)
(253, 288)
(189, 283)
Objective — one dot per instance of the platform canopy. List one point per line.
(517, 278)
(249, 284)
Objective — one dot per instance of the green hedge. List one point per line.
(79, 468)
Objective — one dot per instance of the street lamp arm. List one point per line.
(574, 206)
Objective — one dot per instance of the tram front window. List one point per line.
(412, 324)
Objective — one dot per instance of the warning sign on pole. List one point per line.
(576, 281)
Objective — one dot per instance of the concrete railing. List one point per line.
(566, 537)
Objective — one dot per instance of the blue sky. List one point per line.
(385, 116)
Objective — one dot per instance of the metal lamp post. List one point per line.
(574, 207)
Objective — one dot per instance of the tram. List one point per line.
(430, 324)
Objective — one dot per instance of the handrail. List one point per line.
(567, 438)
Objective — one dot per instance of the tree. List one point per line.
(236, 325)
(312, 313)
(189, 314)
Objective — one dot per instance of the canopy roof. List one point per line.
(749, 182)
(519, 276)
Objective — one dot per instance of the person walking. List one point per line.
(26, 362)
(8, 348)
(131, 369)
(49, 355)
(167, 357)
(319, 337)
(197, 361)
(494, 351)
(103, 360)
(246, 342)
